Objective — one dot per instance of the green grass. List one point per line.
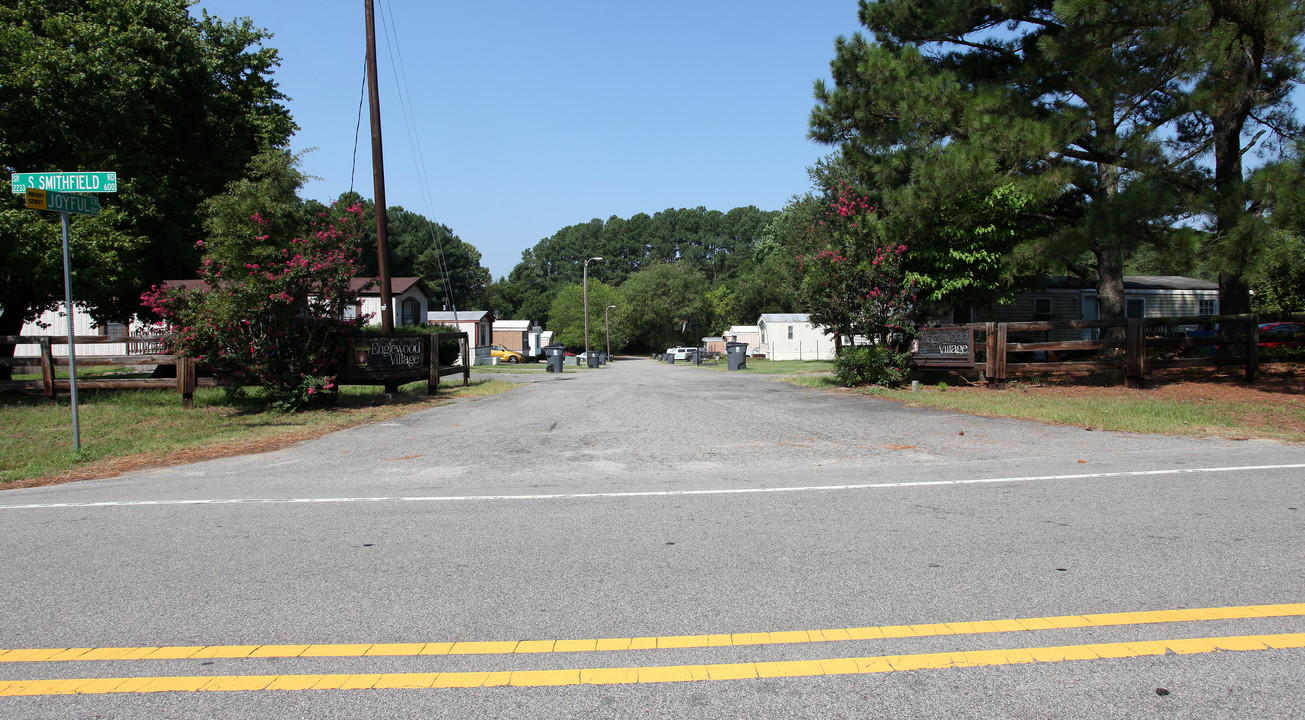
(89, 372)
(1138, 414)
(122, 429)
(761, 366)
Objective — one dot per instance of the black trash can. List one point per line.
(670, 357)
(591, 359)
(736, 354)
(697, 356)
(555, 357)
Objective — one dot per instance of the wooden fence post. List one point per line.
(433, 376)
(47, 368)
(1253, 348)
(466, 360)
(1135, 353)
(186, 380)
(996, 365)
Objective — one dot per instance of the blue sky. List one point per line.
(533, 116)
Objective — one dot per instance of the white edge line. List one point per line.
(650, 493)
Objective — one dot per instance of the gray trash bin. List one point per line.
(591, 359)
(697, 356)
(555, 357)
(736, 354)
(670, 358)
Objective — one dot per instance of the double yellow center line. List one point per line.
(682, 673)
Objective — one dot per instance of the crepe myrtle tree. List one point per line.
(278, 324)
(853, 277)
(854, 283)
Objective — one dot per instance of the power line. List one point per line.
(414, 141)
(362, 94)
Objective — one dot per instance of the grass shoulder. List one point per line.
(1203, 405)
(124, 430)
(762, 366)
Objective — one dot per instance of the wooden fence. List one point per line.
(1010, 349)
(186, 379)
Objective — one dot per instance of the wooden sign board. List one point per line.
(944, 348)
(389, 358)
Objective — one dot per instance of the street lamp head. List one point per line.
(609, 307)
(596, 258)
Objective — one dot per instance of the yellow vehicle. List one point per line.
(505, 355)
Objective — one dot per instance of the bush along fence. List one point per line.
(1002, 351)
(385, 361)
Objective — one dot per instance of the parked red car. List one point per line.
(1285, 335)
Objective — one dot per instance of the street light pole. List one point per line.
(586, 285)
(607, 325)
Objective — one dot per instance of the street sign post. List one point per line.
(93, 182)
(49, 191)
(62, 202)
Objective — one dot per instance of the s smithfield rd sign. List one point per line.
(95, 182)
(54, 191)
(62, 202)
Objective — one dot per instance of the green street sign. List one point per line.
(62, 202)
(64, 182)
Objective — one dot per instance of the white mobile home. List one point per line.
(55, 322)
(409, 297)
(791, 336)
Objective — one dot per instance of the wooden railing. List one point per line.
(47, 362)
(1148, 344)
(437, 370)
(186, 379)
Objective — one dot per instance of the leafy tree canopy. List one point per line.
(666, 305)
(176, 105)
(567, 317)
(423, 248)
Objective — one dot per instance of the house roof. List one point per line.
(713, 339)
(1134, 282)
(509, 325)
(398, 286)
(742, 329)
(784, 318)
(446, 316)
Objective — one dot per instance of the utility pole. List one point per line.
(378, 178)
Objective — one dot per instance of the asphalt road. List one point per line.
(690, 521)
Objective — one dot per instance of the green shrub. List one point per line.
(870, 365)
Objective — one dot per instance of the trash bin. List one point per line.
(555, 357)
(697, 356)
(670, 357)
(736, 355)
(591, 359)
